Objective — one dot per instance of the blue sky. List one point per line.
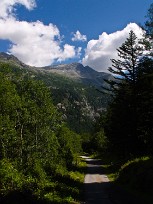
(44, 32)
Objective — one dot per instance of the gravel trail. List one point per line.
(99, 190)
(96, 183)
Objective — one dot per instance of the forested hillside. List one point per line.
(78, 99)
(35, 144)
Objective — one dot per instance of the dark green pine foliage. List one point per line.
(145, 105)
(125, 68)
(122, 117)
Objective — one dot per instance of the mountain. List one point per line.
(11, 59)
(78, 72)
(74, 71)
(73, 88)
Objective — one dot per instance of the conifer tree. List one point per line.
(122, 115)
(125, 68)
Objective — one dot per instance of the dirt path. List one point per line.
(95, 183)
(99, 190)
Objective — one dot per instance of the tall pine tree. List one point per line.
(122, 115)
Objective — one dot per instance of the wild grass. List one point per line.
(40, 186)
(136, 176)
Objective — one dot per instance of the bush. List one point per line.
(10, 178)
(137, 174)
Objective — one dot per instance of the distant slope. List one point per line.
(4, 57)
(78, 72)
(75, 71)
(73, 87)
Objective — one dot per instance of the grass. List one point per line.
(136, 176)
(64, 186)
(68, 187)
(109, 168)
(111, 171)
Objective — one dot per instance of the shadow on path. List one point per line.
(99, 190)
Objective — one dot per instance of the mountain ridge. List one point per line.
(75, 71)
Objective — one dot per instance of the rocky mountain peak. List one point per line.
(74, 70)
(8, 58)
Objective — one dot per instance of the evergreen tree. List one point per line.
(145, 105)
(122, 116)
(129, 53)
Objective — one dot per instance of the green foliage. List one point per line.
(10, 178)
(129, 53)
(100, 141)
(70, 144)
(128, 124)
(35, 145)
(137, 175)
(87, 145)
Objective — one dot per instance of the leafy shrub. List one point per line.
(10, 178)
(137, 174)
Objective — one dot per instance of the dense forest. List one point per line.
(36, 146)
(39, 150)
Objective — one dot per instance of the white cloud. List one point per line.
(33, 43)
(68, 52)
(7, 6)
(79, 37)
(99, 52)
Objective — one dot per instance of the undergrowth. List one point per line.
(136, 176)
(40, 185)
